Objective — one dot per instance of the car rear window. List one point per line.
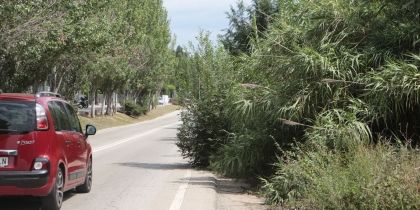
(17, 117)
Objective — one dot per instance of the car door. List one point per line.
(65, 140)
(80, 146)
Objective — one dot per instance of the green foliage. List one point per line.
(377, 177)
(205, 120)
(199, 135)
(244, 155)
(75, 46)
(344, 89)
(327, 82)
(134, 110)
(247, 24)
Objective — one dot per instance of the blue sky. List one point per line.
(187, 17)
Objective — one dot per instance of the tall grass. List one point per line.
(368, 177)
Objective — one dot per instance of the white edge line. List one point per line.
(180, 194)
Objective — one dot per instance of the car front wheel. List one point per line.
(87, 185)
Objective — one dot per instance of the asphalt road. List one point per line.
(137, 167)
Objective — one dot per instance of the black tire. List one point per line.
(54, 199)
(87, 185)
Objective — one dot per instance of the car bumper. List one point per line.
(24, 179)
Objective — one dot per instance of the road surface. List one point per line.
(138, 167)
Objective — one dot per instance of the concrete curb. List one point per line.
(233, 194)
(221, 193)
(202, 189)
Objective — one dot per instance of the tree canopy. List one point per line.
(74, 46)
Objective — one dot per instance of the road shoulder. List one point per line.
(221, 193)
(235, 195)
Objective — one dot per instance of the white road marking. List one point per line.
(180, 194)
(122, 141)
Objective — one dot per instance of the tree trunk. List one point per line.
(58, 86)
(96, 97)
(93, 102)
(109, 104)
(156, 99)
(115, 102)
(103, 104)
(150, 103)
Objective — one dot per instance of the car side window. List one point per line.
(73, 119)
(60, 118)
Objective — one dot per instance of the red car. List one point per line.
(43, 150)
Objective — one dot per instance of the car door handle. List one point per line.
(68, 142)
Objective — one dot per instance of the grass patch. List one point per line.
(120, 119)
(369, 177)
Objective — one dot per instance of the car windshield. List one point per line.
(17, 117)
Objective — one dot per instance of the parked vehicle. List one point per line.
(83, 102)
(43, 151)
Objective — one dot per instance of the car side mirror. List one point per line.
(90, 130)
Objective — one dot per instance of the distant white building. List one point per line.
(164, 100)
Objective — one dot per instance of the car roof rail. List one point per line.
(47, 94)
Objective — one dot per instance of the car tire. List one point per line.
(87, 185)
(54, 199)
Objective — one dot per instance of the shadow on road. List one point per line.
(20, 203)
(25, 203)
(156, 166)
(168, 139)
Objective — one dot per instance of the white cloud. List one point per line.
(188, 17)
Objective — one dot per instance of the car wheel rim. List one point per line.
(89, 175)
(59, 185)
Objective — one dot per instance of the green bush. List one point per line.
(369, 177)
(132, 109)
(202, 131)
(245, 155)
(203, 91)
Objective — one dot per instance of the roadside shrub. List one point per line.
(245, 155)
(132, 109)
(369, 177)
(202, 131)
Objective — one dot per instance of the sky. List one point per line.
(188, 17)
